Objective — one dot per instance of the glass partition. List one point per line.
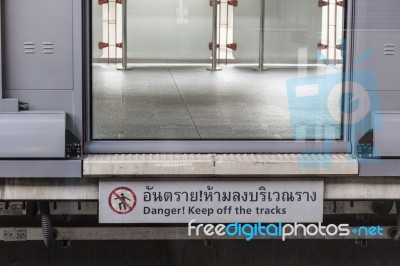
(168, 94)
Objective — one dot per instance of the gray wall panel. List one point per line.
(377, 38)
(385, 63)
(383, 15)
(374, 168)
(32, 135)
(41, 169)
(371, 35)
(388, 101)
(42, 63)
(38, 44)
(386, 139)
(1, 50)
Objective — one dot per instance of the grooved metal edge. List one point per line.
(219, 164)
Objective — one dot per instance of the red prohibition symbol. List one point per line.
(122, 200)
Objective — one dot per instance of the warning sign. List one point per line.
(122, 200)
(250, 201)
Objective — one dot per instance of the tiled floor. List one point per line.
(172, 102)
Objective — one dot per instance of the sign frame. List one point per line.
(265, 201)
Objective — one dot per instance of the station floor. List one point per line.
(189, 102)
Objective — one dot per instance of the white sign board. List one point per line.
(283, 201)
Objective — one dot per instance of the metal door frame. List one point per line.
(213, 146)
(1, 49)
(51, 168)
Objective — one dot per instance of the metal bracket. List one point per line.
(23, 106)
(322, 46)
(102, 2)
(66, 243)
(233, 3)
(73, 145)
(362, 217)
(322, 3)
(212, 2)
(230, 2)
(341, 3)
(210, 45)
(334, 207)
(103, 45)
(365, 145)
(12, 208)
(362, 242)
(15, 234)
(232, 46)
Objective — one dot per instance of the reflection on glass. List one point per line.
(169, 94)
